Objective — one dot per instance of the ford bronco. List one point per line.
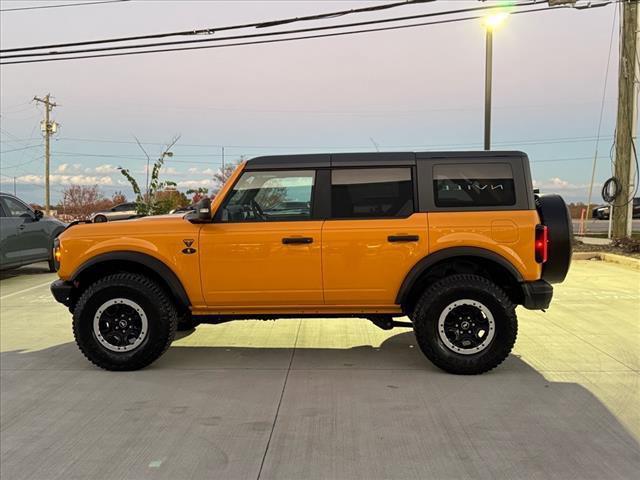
(452, 240)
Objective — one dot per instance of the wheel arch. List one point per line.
(127, 261)
(459, 260)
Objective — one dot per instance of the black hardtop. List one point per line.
(364, 159)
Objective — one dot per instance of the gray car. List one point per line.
(119, 212)
(26, 236)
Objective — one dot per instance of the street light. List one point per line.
(490, 22)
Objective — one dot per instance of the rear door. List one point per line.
(263, 248)
(373, 236)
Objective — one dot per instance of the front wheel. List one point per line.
(124, 321)
(465, 324)
(99, 219)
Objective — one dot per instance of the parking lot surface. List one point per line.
(334, 398)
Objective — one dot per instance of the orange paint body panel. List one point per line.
(247, 264)
(509, 233)
(361, 266)
(161, 237)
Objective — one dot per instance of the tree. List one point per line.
(169, 199)
(82, 200)
(223, 174)
(118, 198)
(198, 194)
(146, 204)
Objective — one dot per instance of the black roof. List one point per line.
(325, 160)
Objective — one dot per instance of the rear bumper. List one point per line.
(62, 291)
(537, 295)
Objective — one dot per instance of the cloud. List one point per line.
(106, 168)
(195, 183)
(68, 168)
(557, 183)
(66, 180)
(193, 170)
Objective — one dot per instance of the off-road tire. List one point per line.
(465, 286)
(158, 308)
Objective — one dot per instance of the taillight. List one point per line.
(542, 243)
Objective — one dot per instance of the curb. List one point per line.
(608, 257)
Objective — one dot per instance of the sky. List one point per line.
(403, 90)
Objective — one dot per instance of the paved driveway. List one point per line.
(335, 399)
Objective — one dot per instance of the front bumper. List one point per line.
(537, 295)
(62, 291)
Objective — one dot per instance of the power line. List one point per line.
(57, 54)
(211, 30)
(530, 141)
(18, 149)
(61, 5)
(280, 39)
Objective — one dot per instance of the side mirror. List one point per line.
(203, 210)
(38, 215)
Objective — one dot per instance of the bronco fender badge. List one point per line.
(188, 242)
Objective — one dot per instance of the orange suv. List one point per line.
(452, 240)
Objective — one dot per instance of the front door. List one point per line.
(264, 247)
(373, 237)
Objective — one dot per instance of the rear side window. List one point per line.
(473, 185)
(371, 193)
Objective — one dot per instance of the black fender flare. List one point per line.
(161, 269)
(434, 258)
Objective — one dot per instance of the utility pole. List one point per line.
(48, 127)
(626, 124)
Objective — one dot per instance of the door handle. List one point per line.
(21, 227)
(297, 240)
(403, 238)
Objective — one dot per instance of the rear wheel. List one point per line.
(124, 321)
(465, 324)
(99, 219)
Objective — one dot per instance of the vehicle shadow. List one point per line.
(35, 269)
(509, 423)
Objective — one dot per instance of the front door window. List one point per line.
(270, 196)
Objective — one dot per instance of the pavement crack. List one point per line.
(284, 386)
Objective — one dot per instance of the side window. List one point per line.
(473, 185)
(270, 196)
(125, 207)
(371, 193)
(15, 208)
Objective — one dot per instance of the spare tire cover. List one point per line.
(555, 215)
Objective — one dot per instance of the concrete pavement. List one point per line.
(334, 398)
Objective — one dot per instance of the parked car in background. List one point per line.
(26, 236)
(602, 212)
(119, 212)
(188, 208)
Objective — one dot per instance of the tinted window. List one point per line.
(473, 184)
(270, 196)
(15, 208)
(371, 193)
(124, 207)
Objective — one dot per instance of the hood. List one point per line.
(136, 227)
